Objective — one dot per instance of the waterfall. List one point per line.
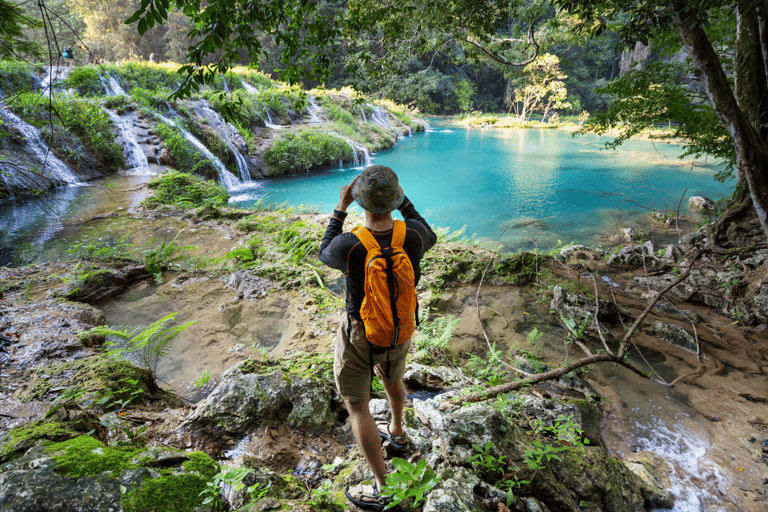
(355, 160)
(226, 178)
(315, 111)
(362, 109)
(112, 86)
(226, 85)
(242, 162)
(269, 123)
(136, 162)
(55, 168)
(249, 88)
(380, 117)
(427, 128)
(368, 157)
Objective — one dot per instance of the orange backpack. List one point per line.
(389, 306)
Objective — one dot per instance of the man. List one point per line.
(378, 192)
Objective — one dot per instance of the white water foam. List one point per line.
(685, 450)
(249, 88)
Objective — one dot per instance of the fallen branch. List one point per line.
(556, 373)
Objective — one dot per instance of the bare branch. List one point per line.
(500, 58)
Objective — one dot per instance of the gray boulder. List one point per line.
(676, 335)
(243, 401)
(701, 203)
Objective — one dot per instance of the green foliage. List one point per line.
(148, 344)
(409, 481)
(186, 157)
(576, 332)
(100, 250)
(119, 397)
(490, 465)
(259, 80)
(145, 75)
(658, 94)
(491, 371)
(185, 191)
(79, 117)
(16, 77)
(305, 150)
(432, 337)
(203, 379)
(85, 81)
(162, 257)
(229, 476)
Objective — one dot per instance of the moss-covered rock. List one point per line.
(89, 476)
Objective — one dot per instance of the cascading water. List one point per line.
(249, 88)
(380, 117)
(355, 159)
(269, 124)
(111, 86)
(226, 85)
(226, 178)
(136, 162)
(53, 168)
(242, 163)
(368, 157)
(315, 111)
(53, 74)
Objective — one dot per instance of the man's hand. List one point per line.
(345, 196)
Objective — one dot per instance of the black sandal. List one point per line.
(366, 497)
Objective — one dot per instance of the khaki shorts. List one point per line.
(352, 361)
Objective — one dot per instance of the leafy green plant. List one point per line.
(409, 481)
(432, 337)
(576, 332)
(485, 462)
(163, 256)
(203, 379)
(322, 496)
(117, 399)
(147, 344)
(232, 477)
(109, 250)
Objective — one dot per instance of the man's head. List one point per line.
(378, 190)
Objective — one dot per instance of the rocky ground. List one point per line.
(83, 431)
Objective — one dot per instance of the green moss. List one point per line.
(169, 493)
(20, 439)
(98, 376)
(85, 456)
(200, 463)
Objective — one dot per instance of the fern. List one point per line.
(147, 344)
(433, 336)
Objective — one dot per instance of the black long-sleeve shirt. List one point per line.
(345, 252)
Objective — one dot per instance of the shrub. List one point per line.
(16, 77)
(304, 150)
(185, 191)
(85, 80)
(146, 75)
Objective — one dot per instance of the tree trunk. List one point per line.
(751, 150)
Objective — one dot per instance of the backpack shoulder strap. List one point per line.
(366, 237)
(398, 234)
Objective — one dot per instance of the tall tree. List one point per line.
(13, 42)
(740, 108)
